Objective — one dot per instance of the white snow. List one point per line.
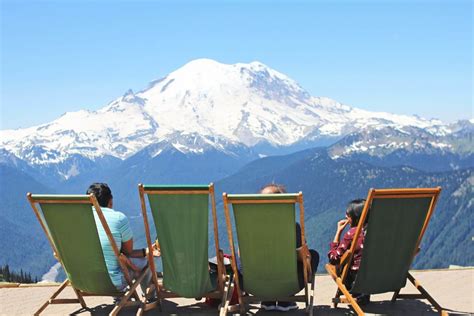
(238, 103)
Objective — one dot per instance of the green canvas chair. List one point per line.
(265, 226)
(397, 220)
(180, 215)
(69, 224)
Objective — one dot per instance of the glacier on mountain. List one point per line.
(246, 104)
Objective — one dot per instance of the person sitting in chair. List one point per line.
(134, 259)
(338, 248)
(286, 306)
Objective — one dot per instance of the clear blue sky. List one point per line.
(407, 57)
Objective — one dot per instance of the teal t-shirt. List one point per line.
(121, 232)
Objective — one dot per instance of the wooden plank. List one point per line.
(404, 196)
(165, 192)
(151, 261)
(425, 293)
(286, 201)
(219, 252)
(407, 190)
(348, 296)
(232, 249)
(303, 238)
(52, 297)
(43, 225)
(61, 201)
(64, 301)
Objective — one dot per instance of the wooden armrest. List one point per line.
(305, 256)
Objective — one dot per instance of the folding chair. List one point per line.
(265, 226)
(180, 215)
(397, 220)
(69, 224)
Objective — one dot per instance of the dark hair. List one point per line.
(354, 210)
(102, 193)
(276, 188)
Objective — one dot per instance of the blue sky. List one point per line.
(406, 57)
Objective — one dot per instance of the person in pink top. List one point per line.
(338, 247)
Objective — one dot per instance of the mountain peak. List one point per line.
(246, 103)
(202, 62)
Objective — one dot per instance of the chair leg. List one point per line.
(306, 295)
(349, 297)
(395, 295)
(336, 298)
(228, 288)
(311, 298)
(426, 294)
(55, 294)
(131, 292)
(80, 298)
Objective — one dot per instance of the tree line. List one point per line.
(11, 276)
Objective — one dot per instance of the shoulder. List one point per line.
(116, 215)
(350, 233)
(352, 230)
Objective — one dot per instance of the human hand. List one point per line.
(156, 249)
(156, 252)
(342, 224)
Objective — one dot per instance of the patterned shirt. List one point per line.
(120, 229)
(336, 250)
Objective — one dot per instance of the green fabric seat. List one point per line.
(180, 216)
(69, 224)
(74, 233)
(265, 230)
(390, 242)
(266, 236)
(395, 221)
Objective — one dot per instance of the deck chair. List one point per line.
(397, 220)
(69, 224)
(180, 215)
(265, 227)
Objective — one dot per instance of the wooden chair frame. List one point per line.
(162, 293)
(244, 301)
(126, 296)
(346, 259)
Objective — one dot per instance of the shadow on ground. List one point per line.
(401, 307)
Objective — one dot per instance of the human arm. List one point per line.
(127, 241)
(127, 249)
(337, 249)
(340, 227)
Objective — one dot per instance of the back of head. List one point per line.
(102, 193)
(354, 210)
(273, 188)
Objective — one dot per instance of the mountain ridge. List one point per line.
(241, 103)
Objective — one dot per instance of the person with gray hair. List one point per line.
(274, 188)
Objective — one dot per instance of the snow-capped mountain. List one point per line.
(244, 104)
(409, 145)
(388, 139)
